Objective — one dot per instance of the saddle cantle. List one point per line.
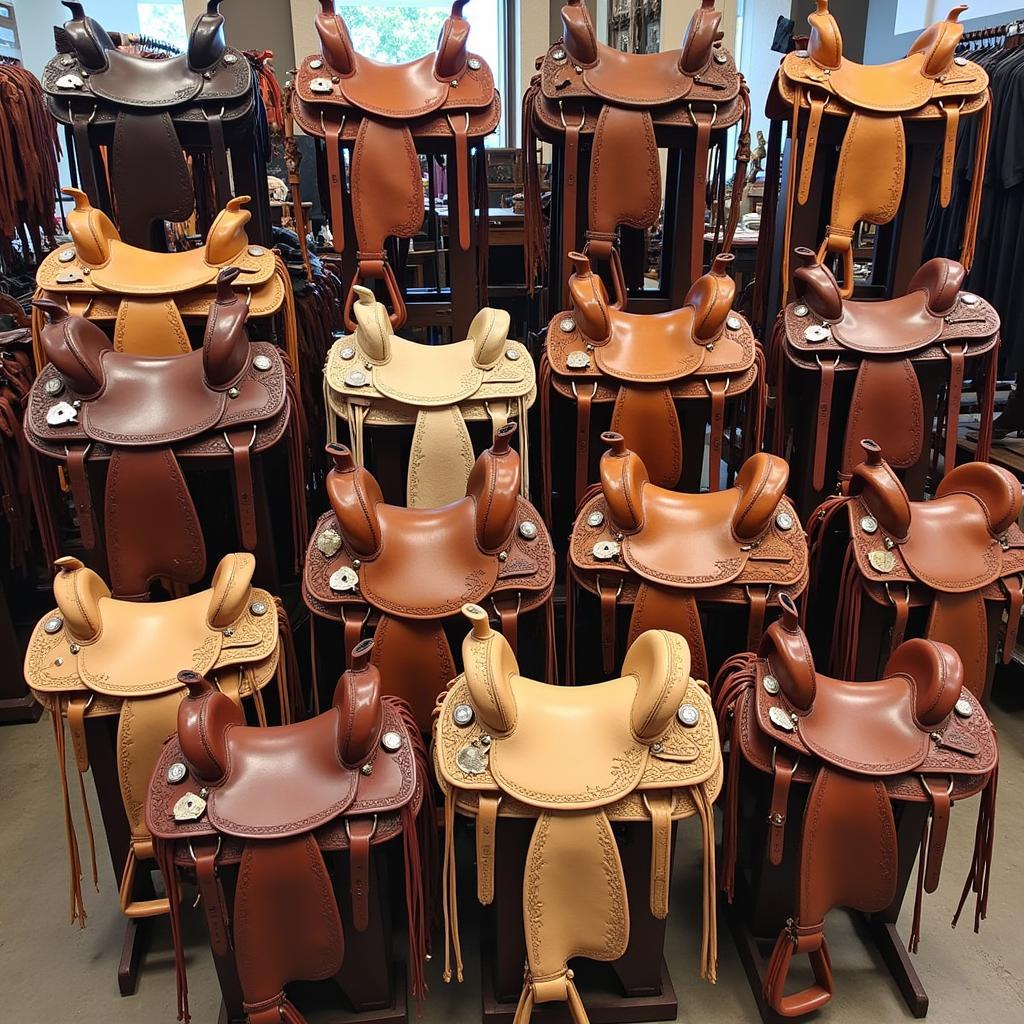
(916, 735)
(931, 83)
(374, 378)
(888, 344)
(381, 111)
(958, 555)
(402, 571)
(666, 554)
(598, 353)
(649, 755)
(144, 415)
(620, 105)
(145, 111)
(95, 656)
(281, 803)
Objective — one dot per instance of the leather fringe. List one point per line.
(535, 244)
(980, 874)
(163, 853)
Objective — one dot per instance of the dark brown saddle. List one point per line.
(382, 111)
(936, 327)
(599, 353)
(142, 109)
(281, 803)
(621, 104)
(666, 553)
(144, 415)
(960, 555)
(916, 735)
(411, 568)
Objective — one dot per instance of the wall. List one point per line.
(258, 25)
(852, 16)
(36, 19)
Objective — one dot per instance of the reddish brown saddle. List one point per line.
(959, 555)
(668, 554)
(382, 111)
(143, 416)
(281, 805)
(917, 735)
(403, 571)
(890, 345)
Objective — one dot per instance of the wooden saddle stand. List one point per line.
(650, 756)
(401, 572)
(868, 751)
(953, 563)
(589, 99)
(744, 547)
(101, 662)
(382, 112)
(133, 122)
(374, 379)
(261, 819)
(147, 415)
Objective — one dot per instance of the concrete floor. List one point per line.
(51, 972)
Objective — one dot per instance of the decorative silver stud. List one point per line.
(67, 62)
(964, 708)
(780, 719)
(70, 278)
(512, 353)
(606, 550)
(344, 580)
(347, 353)
(577, 360)
(784, 521)
(74, 648)
(61, 414)
(657, 747)
(502, 556)
(54, 624)
(969, 298)
(77, 403)
(882, 561)
(316, 64)
(558, 54)
(817, 332)
(800, 310)
(472, 759)
(255, 250)
(356, 379)
(66, 255)
(229, 632)
(770, 684)
(960, 61)
(189, 808)
(391, 742)
(889, 543)
(58, 662)
(869, 524)
(688, 715)
(262, 362)
(474, 64)
(176, 773)
(567, 325)
(69, 82)
(54, 386)
(258, 608)
(595, 519)
(329, 542)
(528, 530)
(230, 58)
(367, 768)
(463, 715)
(320, 85)
(734, 323)
(720, 58)
(233, 392)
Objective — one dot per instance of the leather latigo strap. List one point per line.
(147, 415)
(888, 345)
(744, 546)
(275, 802)
(96, 656)
(500, 752)
(136, 106)
(382, 111)
(916, 735)
(931, 83)
(399, 573)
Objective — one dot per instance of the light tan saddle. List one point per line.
(640, 748)
(374, 378)
(95, 656)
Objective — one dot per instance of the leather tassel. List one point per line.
(979, 876)
(163, 854)
(450, 895)
(544, 387)
(709, 919)
(915, 928)
(758, 401)
(74, 860)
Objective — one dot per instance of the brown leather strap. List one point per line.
(659, 806)
(508, 616)
(81, 494)
(335, 182)
(782, 778)
(956, 387)
(240, 441)
(757, 596)
(825, 388)
(218, 157)
(702, 147)
(360, 832)
(76, 726)
(608, 595)
(952, 115)
(352, 622)
(460, 129)
(86, 159)
(570, 199)
(486, 829)
(817, 105)
(658, 607)
(900, 598)
(717, 389)
(584, 399)
(648, 419)
(961, 621)
(211, 894)
(1015, 595)
(887, 406)
(939, 793)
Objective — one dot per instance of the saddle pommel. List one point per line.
(789, 657)
(711, 297)
(938, 43)
(825, 44)
(204, 717)
(88, 37)
(623, 476)
(702, 33)
(78, 592)
(762, 483)
(589, 300)
(660, 662)
(91, 230)
(494, 484)
(882, 490)
(354, 495)
(937, 675)
(816, 285)
(206, 44)
(361, 715)
(941, 280)
(489, 667)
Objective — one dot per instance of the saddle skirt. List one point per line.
(374, 379)
(500, 750)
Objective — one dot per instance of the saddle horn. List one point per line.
(661, 663)
(489, 668)
(789, 657)
(489, 334)
(78, 592)
(938, 43)
(589, 299)
(701, 34)
(494, 483)
(75, 346)
(816, 286)
(91, 230)
(373, 326)
(206, 43)
(761, 482)
(711, 297)
(204, 716)
(937, 673)
(227, 237)
(884, 494)
(825, 43)
(335, 42)
(623, 476)
(88, 38)
(450, 58)
(361, 715)
(226, 343)
(354, 495)
(578, 33)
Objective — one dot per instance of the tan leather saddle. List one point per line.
(402, 571)
(597, 353)
(916, 735)
(149, 297)
(281, 804)
(382, 111)
(622, 105)
(143, 415)
(95, 656)
(667, 554)
(931, 83)
(935, 327)
(956, 555)
(647, 753)
(139, 109)
(375, 379)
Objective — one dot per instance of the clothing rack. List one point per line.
(1008, 31)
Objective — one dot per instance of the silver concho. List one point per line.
(577, 360)
(511, 353)
(567, 325)
(66, 255)
(463, 715)
(800, 310)
(528, 530)
(233, 392)
(606, 550)
(52, 625)
(262, 362)
(321, 85)
(256, 250)
(969, 298)
(54, 386)
(869, 524)
(230, 58)
(964, 708)
(817, 332)
(558, 54)
(60, 414)
(784, 521)
(356, 379)
(474, 64)
(391, 742)
(189, 808)
(316, 64)
(258, 608)
(67, 62)
(780, 719)
(74, 648)
(734, 323)
(347, 353)
(344, 580)
(771, 685)
(71, 277)
(720, 58)
(595, 519)
(474, 757)
(882, 561)
(960, 61)
(176, 773)
(328, 543)
(69, 82)
(688, 715)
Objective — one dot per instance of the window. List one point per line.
(164, 22)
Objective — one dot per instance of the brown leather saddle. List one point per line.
(375, 379)
(403, 571)
(597, 353)
(960, 555)
(935, 327)
(94, 656)
(666, 554)
(931, 83)
(144, 416)
(916, 735)
(140, 109)
(647, 753)
(281, 804)
(382, 111)
(620, 105)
